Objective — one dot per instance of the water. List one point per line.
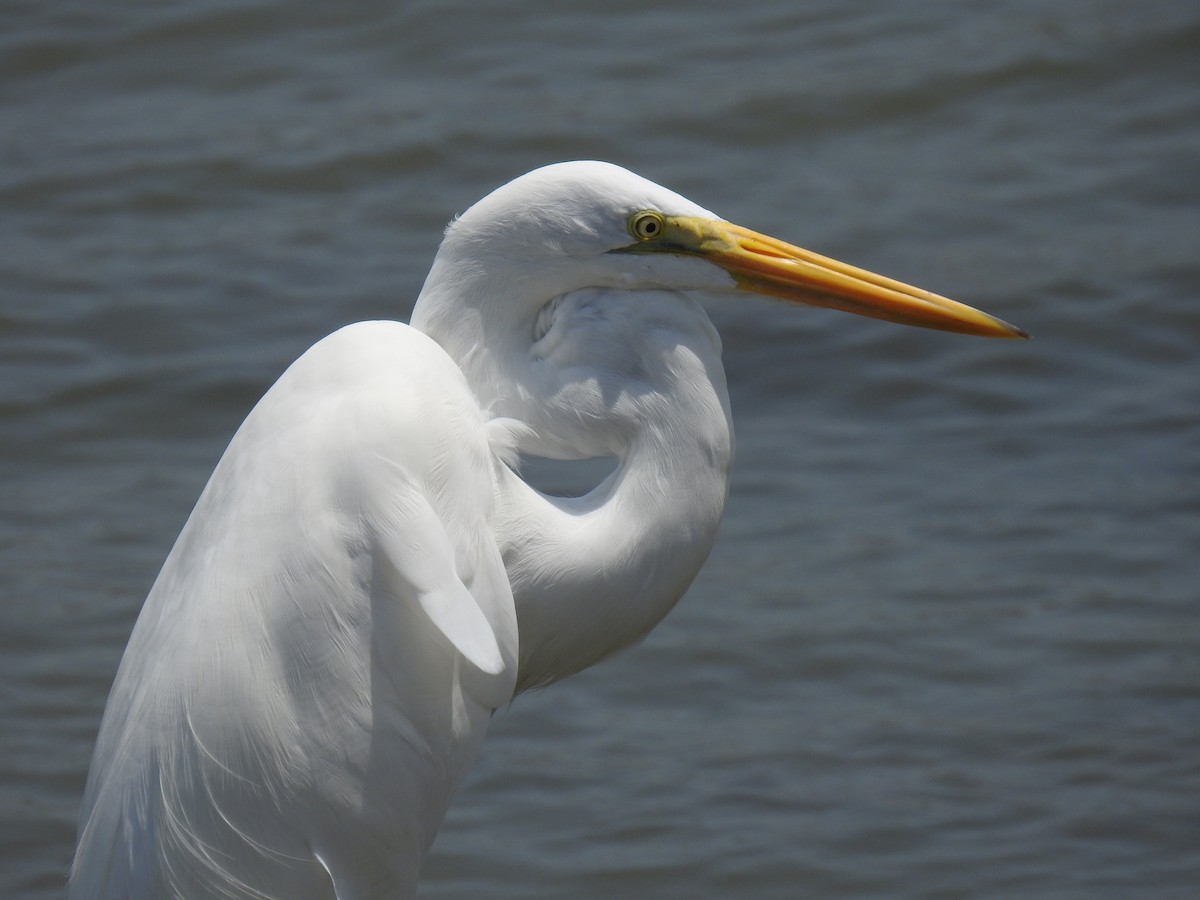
(947, 643)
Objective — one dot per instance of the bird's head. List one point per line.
(578, 225)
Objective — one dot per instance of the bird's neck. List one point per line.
(592, 575)
(593, 374)
(456, 308)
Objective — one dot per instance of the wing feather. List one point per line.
(315, 667)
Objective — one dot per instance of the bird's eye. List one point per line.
(646, 226)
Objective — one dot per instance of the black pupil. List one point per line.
(649, 226)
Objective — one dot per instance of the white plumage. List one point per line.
(366, 578)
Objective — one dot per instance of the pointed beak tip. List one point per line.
(998, 328)
(765, 265)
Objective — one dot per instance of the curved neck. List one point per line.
(636, 375)
(592, 575)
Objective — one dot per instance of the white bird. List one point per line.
(366, 577)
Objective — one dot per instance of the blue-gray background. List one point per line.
(946, 645)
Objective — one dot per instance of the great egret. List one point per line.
(366, 578)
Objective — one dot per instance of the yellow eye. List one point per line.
(646, 226)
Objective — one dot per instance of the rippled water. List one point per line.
(947, 643)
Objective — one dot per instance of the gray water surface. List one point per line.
(946, 645)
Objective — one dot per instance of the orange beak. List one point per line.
(764, 265)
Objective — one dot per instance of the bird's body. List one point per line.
(285, 641)
(366, 578)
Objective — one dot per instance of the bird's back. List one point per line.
(315, 666)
